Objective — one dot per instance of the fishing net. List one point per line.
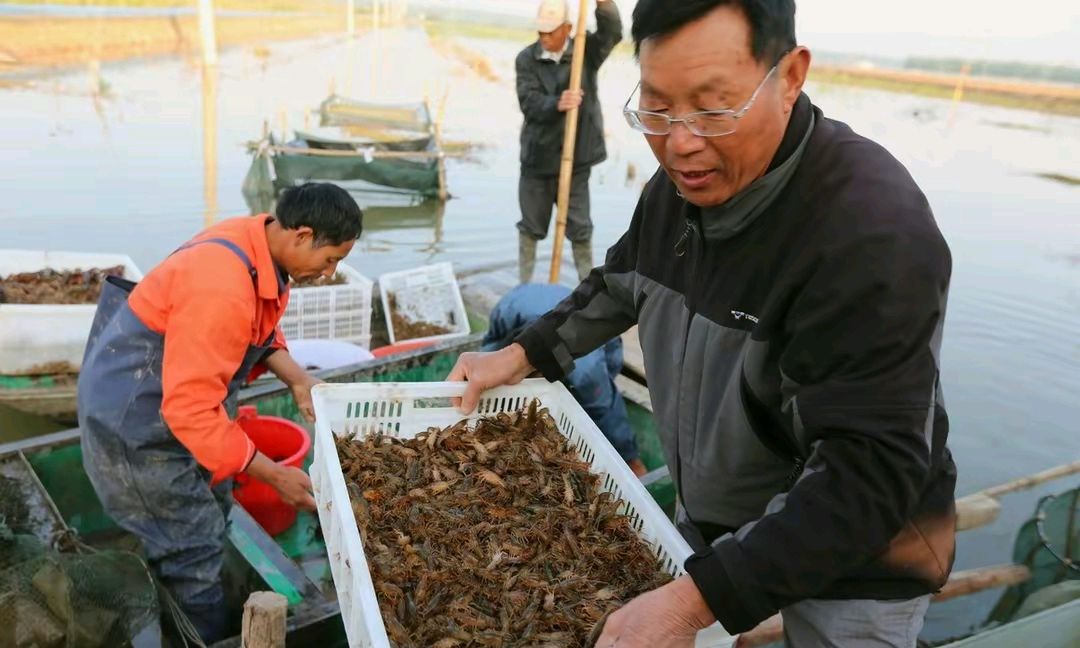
(271, 172)
(63, 598)
(1049, 545)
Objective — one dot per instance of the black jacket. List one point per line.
(792, 362)
(540, 82)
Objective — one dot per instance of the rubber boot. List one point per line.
(582, 258)
(526, 257)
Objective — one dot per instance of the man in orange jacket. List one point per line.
(165, 358)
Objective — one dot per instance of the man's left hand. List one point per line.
(667, 617)
(301, 392)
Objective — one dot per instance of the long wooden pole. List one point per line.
(566, 171)
(982, 508)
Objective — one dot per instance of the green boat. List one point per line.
(1037, 610)
(370, 148)
(294, 563)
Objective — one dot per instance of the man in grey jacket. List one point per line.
(543, 79)
(789, 284)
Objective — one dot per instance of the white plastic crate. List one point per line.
(407, 409)
(340, 312)
(429, 294)
(36, 335)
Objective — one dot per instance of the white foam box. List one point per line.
(340, 312)
(37, 335)
(428, 294)
(407, 409)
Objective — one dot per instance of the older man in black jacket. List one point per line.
(543, 79)
(789, 286)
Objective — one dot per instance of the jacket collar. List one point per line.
(735, 215)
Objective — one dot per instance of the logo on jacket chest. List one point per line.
(739, 315)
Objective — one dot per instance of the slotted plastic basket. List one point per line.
(33, 336)
(428, 294)
(407, 409)
(340, 312)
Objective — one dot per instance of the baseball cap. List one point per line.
(551, 15)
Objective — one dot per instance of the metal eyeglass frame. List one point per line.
(633, 117)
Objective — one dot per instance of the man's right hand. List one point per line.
(570, 99)
(507, 366)
(291, 483)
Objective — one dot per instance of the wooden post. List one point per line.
(206, 32)
(264, 621)
(566, 171)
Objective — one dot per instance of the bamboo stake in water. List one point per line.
(206, 32)
(210, 153)
(569, 137)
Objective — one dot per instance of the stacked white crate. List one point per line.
(33, 336)
(338, 312)
(405, 410)
(427, 294)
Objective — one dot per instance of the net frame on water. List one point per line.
(407, 409)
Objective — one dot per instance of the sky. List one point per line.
(1048, 31)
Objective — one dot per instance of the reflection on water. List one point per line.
(209, 142)
(145, 184)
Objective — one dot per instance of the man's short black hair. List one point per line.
(326, 208)
(772, 22)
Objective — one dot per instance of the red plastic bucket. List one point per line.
(281, 441)
(400, 347)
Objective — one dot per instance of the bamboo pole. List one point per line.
(569, 138)
(350, 18)
(982, 508)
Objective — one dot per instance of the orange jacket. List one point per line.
(203, 301)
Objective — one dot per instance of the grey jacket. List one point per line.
(540, 82)
(790, 338)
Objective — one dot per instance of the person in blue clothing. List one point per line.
(592, 382)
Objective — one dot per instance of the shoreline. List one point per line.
(1055, 99)
(35, 46)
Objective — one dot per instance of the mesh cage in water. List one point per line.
(1049, 545)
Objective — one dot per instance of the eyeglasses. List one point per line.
(707, 123)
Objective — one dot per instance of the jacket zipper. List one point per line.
(690, 235)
